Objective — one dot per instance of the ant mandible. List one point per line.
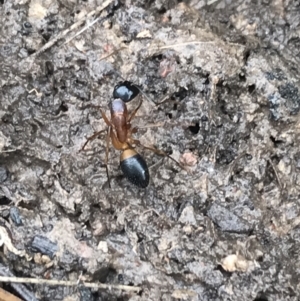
(119, 132)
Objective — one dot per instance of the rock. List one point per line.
(187, 216)
(3, 174)
(227, 220)
(15, 216)
(44, 245)
(232, 263)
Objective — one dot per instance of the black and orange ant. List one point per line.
(120, 132)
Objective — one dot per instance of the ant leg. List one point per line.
(135, 111)
(106, 149)
(134, 130)
(149, 99)
(91, 138)
(94, 136)
(107, 153)
(159, 153)
(105, 118)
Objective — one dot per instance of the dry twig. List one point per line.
(69, 283)
(276, 173)
(82, 30)
(72, 27)
(183, 44)
(232, 166)
(112, 53)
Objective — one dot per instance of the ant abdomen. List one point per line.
(134, 168)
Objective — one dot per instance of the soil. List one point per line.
(227, 226)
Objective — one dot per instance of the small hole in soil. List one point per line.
(251, 88)
(29, 206)
(4, 201)
(276, 159)
(158, 57)
(223, 109)
(63, 107)
(162, 11)
(81, 62)
(246, 55)
(30, 51)
(122, 232)
(181, 94)
(69, 58)
(170, 115)
(204, 118)
(194, 128)
(275, 141)
(104, 273)
(6, 118)
(260, 299)
(242, 76)
(249, 157)
(224, 272)
(27, 25)
(140, 238)
(260, 259)
(49, 68)
(120, 278)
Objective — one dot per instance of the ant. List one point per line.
(120, 132)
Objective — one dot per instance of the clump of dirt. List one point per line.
(225, 75)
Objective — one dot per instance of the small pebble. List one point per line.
(44, 245)
(15, 216)
(227, 220)
(3, 174)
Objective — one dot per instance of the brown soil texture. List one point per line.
(227, 226)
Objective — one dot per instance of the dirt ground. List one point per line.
(227, 73)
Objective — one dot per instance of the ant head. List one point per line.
(126, 91)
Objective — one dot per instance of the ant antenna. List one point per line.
(145, 95)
